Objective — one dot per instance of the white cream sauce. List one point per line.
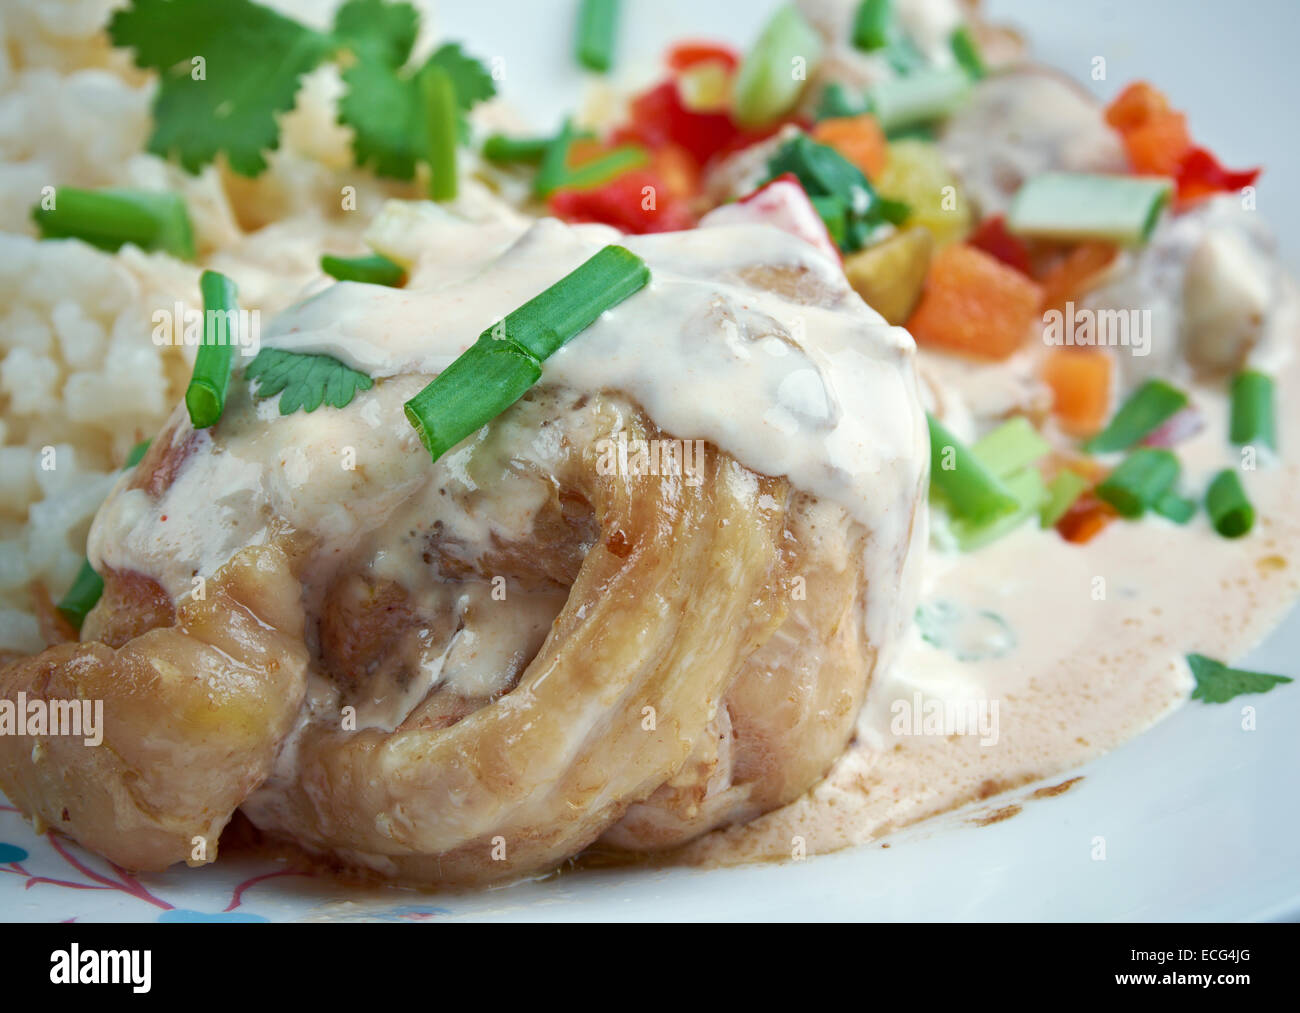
(827, 397)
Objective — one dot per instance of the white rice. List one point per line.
(80, 378)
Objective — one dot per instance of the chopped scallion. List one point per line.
(597, 30)
(837, 103)
(1144, 411)
(921, 97)
(1011, 446)
(206, 395)
(500, 148)
(971, 491)
(1226, 503)
(1252, 410)
(873, 24)
(1140, 481)
(108, 219)
(1062, 492)
(769, 82)
(443, 123)
(137, 454)
(603, 168)
(81, 597)
(967, 53)
(375, 269)
(1082, 206)
(1027, 492)
(1173, 507)
(497, 370)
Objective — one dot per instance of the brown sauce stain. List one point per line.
(1051, 791)
(997, 815)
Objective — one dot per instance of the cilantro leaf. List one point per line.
(1217, 683)
(253, 60)
(304, 380)
(469, 77)
(378, 30)
(384, 108)
(842, 195)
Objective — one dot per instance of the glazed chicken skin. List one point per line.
(470, 670)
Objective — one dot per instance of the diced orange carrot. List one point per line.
(976, 304)
(857, 138)
(1080, 382)
(1158, 146)
(1085, 519)
(1135, 105)
(1076, 273)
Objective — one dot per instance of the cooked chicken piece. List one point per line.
(470, 670)
(1021, 123)
(193, 713)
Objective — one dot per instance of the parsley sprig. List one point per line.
(227, 70)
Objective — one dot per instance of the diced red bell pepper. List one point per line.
(637, 201)
(993, 238)
(686, 55)
(782, 203)
(1201, 175)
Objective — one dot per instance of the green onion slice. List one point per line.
(1140, 481)
(1082, 206)
(921, 97)
(836, 103)
(967, 53)
(1252, 410)
(603, 168)
(1144, 411)
(1173, 507)
(108, 219)
(1062, 493)
(1026, 489)
(971, 491)
(531, 150)
(499, 368)
(137, 454)
(597, 30)
(873, 24)
(1011, 446)
(767, 85)
(439, 94)
(375, 269)
(1226, 503)
(81, 597)
(206, 395)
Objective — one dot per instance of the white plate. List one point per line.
(1201, 820)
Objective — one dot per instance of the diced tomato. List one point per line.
(782, 203)
(688, 54)
(659, 117)
(993, 238)
(637, 201)
(1201, 175)
(678, 170)
(1085, 519)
